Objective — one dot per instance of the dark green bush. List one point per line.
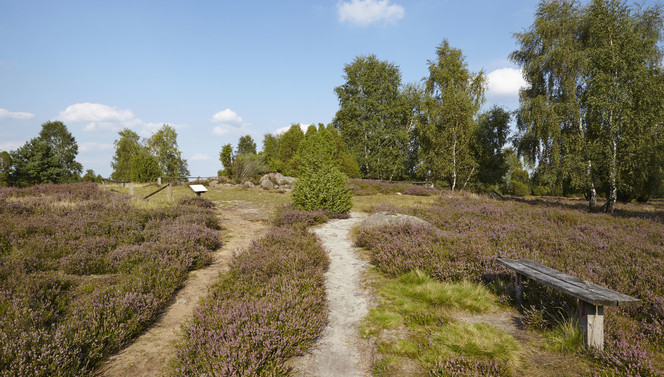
(326, 191)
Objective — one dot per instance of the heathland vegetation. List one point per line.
(83, 270)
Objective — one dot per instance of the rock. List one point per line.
(267, 184)
(276, 180)
(248, 184)
(388, 218)
(214, 183)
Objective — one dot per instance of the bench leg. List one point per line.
(591, 322)
(518, 289)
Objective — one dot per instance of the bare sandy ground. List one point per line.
(340, 351)
(150, 354)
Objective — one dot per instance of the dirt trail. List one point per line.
(340, 351)
(150, 354)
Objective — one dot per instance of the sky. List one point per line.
(217, 70)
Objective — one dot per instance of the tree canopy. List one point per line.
(373, 118)
(592, 112)
(48, 158)
(453, 96)
(145, 161)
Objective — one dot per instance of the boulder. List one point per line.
(248, 184)
(267, 184)
(276, 180)
(389, 218)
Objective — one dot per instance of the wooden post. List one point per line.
(591, 323)
(131, 188)
(518, 289)
(170, 193)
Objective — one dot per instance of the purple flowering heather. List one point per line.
(83, 272)
(270, 306)
(623, 252)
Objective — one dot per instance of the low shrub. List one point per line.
(324, 189)
(287, 215)
(419, 190)
(620, 253)
(270, 306)
(83, 272)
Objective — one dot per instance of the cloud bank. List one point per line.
(100, 117)
(6, 114)
(367, 12)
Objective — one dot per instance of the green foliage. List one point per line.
(5, 168)
(34, 163)
(145, 161)
(126, 147)
(246, 145)
(64, 148)
(226, 158)
(289, 144)
(520, 183)
(90, 176)
(164, 146)
(246, 167)
(320, 184)
(270, 152)
(453, 96)
(48, 158)
(374, 118)
(591, 115)
(491, 137)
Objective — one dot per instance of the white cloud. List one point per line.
(281, 130)
(4, 114)
(100, 117)
(366, 12)
(230, 123)
(227, 116)
(505, 82)
(200, 157)
(94, 112)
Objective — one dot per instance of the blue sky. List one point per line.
(217, 70)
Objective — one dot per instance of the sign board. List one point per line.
(198, 189)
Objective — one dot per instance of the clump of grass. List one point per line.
(413, 324)
(566, 337)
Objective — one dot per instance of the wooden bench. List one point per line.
(592, 297)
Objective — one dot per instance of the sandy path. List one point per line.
(340, 351)
(150, 354)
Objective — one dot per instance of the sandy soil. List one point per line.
(340, 351)
(150, 354)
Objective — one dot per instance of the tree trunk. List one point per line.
(454, 172)
(468, 179)
(592, 194)
(613, 190)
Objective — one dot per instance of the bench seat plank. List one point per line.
(581, 289)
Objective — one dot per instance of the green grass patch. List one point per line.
(413, 325)
(565, 337)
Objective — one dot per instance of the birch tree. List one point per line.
(453, 96)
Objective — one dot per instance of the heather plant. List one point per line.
(269, 306)
(620, 252)
(83, 272)
(287, 215)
